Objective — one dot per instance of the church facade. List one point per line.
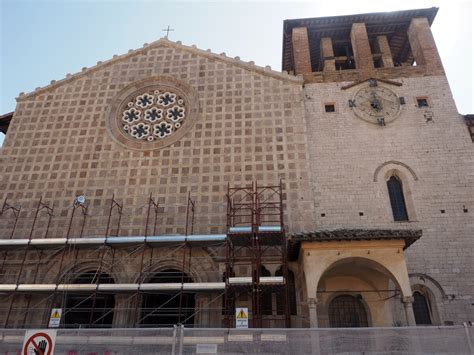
(175, 185)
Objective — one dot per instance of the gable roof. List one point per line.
(267, 71)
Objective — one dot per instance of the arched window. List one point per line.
(421, 309)
(93, 310)
(397, 200)
(165, 309)
(347, 311)
(292, 293)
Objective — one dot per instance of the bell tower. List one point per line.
(357, 47)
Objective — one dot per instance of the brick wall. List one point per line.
(250, 127)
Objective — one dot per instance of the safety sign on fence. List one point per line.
(55, 318)
(39, 342)
(241, 317)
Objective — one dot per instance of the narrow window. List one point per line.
(397, 200)
(421, 309)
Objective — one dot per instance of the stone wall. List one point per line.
(351, 160)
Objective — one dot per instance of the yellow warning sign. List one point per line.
(241, 317)
(55, 319)
(242, 314)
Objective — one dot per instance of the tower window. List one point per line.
(329, 108)
(422, 102)
(397, 200)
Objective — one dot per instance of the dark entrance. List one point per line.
(165, 309)
(90, 311)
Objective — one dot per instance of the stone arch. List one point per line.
(195, 272)
(202, 268)
(394, 162)
(369, 263)
(75, 268)
(432, 291)
(367, 279)
(431, 283)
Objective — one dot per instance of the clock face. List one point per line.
(376, 104)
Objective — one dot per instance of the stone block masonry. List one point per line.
(352, 159)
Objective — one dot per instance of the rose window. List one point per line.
(152, 115)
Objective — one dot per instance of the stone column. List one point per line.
(361, 48)
(423, 46)
(123, 316)
(313, 313)
(301, 53)
(387, 60)
(408, 305)
(327, 52)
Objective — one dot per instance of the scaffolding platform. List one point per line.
(114, 242)
(107, 287)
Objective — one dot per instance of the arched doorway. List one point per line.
(347, 311)
(358, 292)
(90, 310)
(165, 309)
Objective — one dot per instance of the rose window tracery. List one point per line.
(152, 115)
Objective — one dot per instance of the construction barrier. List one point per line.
(179, 340)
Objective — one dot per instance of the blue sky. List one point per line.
(42, 41)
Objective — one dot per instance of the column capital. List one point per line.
(408, 299)
(312, 302)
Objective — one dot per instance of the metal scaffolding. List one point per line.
(24, 295)
(255, 237)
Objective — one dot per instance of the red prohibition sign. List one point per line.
(32, 340)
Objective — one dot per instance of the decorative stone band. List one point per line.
(294, 241)
(152, 113)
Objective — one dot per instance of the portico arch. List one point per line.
(356, 292)
(354, 265)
